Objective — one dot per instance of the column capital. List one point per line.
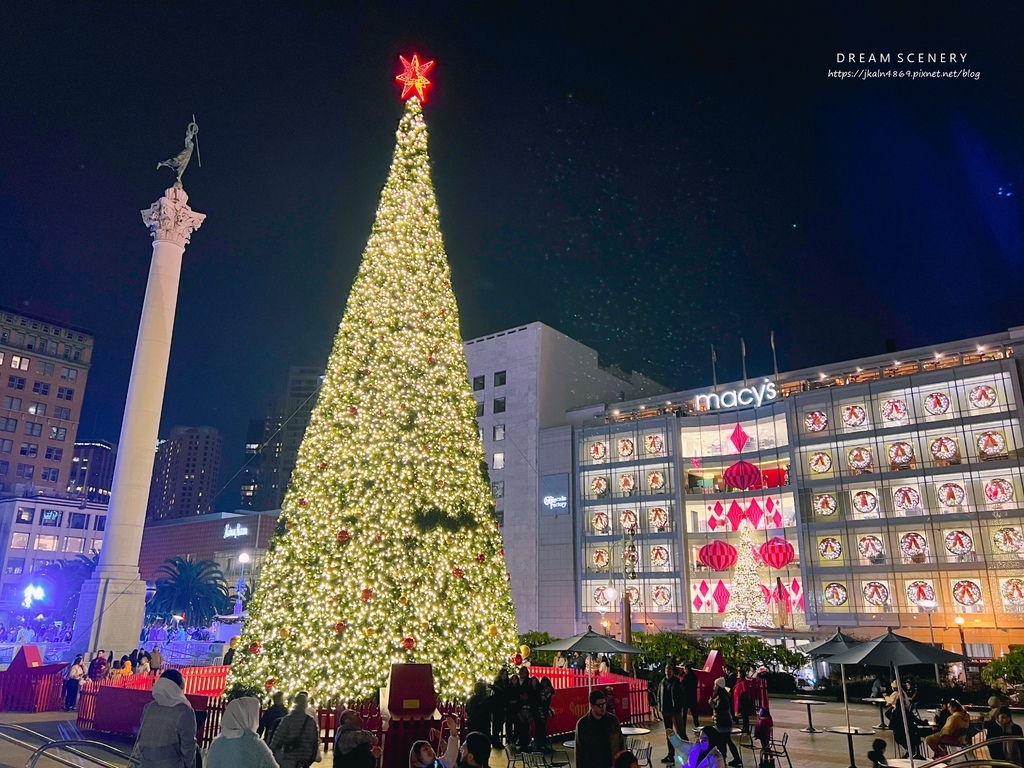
(170, 218)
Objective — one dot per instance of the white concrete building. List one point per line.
(524, 380)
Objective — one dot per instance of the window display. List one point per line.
(876, 593)
(936, 403)
(906, 498)
(855, 415)
(991, 443)
(967, 592)
(815, 421)
(830, 548)
(825, 504)
(901, 453)
(983, 396)
(864, 502)
(1012, 591)
(920, 591)
(914, 546)
(944, 448)
(959, 542)
(894, 411)
(859, 458)
(820, 462)
(836, 594)
(626, 448)
(598, 450)
(951, 494)
(654, 444)
(1008, 539)
(999, 490)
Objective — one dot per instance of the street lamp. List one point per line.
(240, 585)
(929, 606)
(959, 620)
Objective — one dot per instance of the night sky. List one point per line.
(647, 178)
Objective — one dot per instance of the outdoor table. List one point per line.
(855, 731)
(902, 762)
(809, 703)
(570, 744)
(881, 712)
(632, 730)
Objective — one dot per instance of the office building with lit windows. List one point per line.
(44, 365)
(880, 492)
(186, 473)
(39, 529)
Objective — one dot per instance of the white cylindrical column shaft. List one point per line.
(133, 473)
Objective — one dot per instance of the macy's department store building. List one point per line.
(880, 492)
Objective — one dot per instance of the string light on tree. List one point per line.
(746, 609)
(387, 548)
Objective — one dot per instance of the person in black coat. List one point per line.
(670, 699)
(478, 709)
(272, 717)
(1003, 725)
(690, 686)
(499, 699)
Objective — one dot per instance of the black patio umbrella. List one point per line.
(893, 650)
(589, 642)
(838, 643)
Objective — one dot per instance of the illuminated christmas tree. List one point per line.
(388, 547)
(746, 608)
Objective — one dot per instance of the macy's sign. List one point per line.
(732, 398)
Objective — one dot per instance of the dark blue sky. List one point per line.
(648, 178)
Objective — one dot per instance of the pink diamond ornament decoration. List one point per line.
(755, 513)
(739, 438)
(721, 595)
(735, 515)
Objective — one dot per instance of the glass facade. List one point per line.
(871, 497)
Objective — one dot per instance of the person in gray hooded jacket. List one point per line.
(167, 735)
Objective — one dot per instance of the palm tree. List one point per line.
(193, 588)
(62, 581)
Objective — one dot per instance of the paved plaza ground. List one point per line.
(806, 750)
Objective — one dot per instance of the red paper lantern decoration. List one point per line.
(343, 536)
(718, 555)
(743, 475)
(340, 627)
(777, 552)
(366, 595)
(255, 649)
(408, 643)
(269, 685)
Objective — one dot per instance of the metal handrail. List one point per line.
(970, 748)
(52, 744)
(66, 743)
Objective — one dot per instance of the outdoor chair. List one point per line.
(643, 755)
(514, 755)
(557, 758)
(777, 748)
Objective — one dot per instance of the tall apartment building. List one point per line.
(44, 365)
(92, 470)
(282, 431)
(185, 473)
(251, 465)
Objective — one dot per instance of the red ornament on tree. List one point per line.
(718, 555)
(516, 658)
(255, 649)
(340, 627)
(343, 536)
(777, 552)
(480, 557)
(501, 552)
(269, 685)
(302, 502)
(409, 643)
(323, 465)
(457, 573)
(430, 359)
(353, 411)
(379, 537)
(366, 595)
(365, 371)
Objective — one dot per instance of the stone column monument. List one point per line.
(112, 605)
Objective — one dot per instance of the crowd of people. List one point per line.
(23, 634)
(733, 700)
(102, 667)
(950, 731)
(282, 738)
(511, 705)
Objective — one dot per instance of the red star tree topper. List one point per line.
(414, 78)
